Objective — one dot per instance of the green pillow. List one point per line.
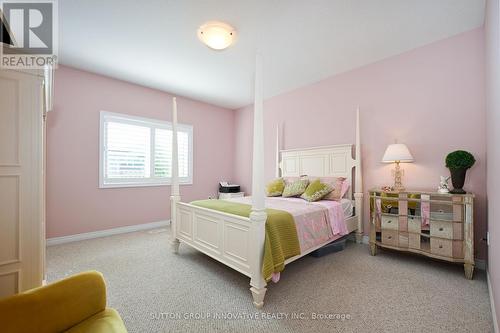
(295, 188)
(275, 188)
(316, 191)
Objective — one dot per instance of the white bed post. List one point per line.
(175, 196)
(358, 189)
(258, 216)
(277, 173)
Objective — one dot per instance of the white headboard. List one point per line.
(326, 161)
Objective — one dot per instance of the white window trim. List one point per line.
(140, 182)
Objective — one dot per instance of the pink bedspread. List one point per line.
(316, 222)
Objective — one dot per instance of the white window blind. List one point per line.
(163, 153)
(138, 151)
(128, 150)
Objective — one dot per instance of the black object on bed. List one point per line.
(335, 246)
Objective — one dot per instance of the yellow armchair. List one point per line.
(75, 304)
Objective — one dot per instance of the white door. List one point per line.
(22, 237)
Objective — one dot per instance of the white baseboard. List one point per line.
(492, 302)
(479, 263)
(105, 233)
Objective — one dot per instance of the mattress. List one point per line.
(316, 222)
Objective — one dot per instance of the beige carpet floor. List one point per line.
(157, 291)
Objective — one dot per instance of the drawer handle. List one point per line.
(389, 237)
(440, 246)
(389, 221)
(441, 229)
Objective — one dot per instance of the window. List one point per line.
(137, 151)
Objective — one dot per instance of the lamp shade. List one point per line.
(397, 152)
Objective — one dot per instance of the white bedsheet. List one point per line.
(347, 207)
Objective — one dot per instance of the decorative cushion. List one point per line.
(295, 188)
(316, 190)
(289, 180)
(275, 188)
(339, 190)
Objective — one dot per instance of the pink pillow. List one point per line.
(341, 186)
(345, 188)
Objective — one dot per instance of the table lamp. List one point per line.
(397, 153)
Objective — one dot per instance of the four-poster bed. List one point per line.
(238, 241)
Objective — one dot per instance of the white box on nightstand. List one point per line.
(231, 195)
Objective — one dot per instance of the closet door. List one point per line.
(21, 182)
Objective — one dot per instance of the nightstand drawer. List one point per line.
(458, 231)
(414, 224)
(442, 247)
(390, 237)
(414, 241)
(403, 239)
(390, 222)
(458, 249)
(442, 229)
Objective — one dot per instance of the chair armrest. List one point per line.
(55, 307)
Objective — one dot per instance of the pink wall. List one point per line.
(431, 98)
(492, 28)
(75, 204)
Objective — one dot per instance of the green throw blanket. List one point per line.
(281, 242)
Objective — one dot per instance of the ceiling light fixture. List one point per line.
(217, 35)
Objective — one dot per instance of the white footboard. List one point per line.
(224, 237)
(235, 241)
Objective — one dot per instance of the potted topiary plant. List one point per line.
(459, 162)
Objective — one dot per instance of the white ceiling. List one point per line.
(154, 43)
